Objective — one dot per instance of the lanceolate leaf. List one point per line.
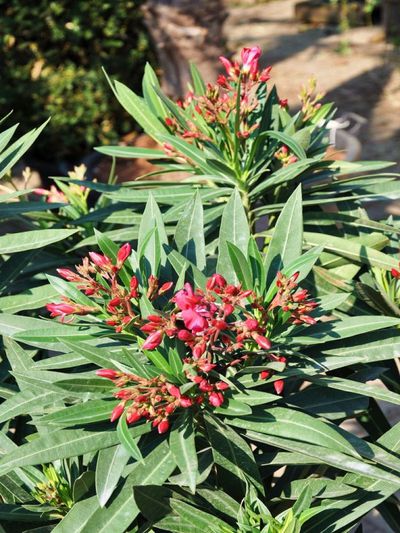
(189, 233)
(183, 448)
(30, 240)
(286, 244)
(234, 229)
(110, 466)
(331, 331)
(127, 440)
(233, 456)
(57, 445)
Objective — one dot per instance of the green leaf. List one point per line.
(30, 240)
(60, 444)
(15, 151)
(233, 455)
(366, 389)
(155, 469)
(183, 448)
(286, 244)
(199, 520)
(189, 233)
(150, 85)
(27, 403)
(82, 485)
(80, 414)
(33, 298)
(89, 384)
(99, 356)
(111, 463)
(341, 329)
(294, 425)
(352, 250)
(152, 235)
(198, 82)
(327, 456)
(130, 444)
(134, 105)
(234, 229)
(240, 266)
(68, 289)
(131, 152)
(287, 140)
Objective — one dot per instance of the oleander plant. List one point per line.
(173, 360)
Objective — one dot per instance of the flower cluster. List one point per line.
(211, 322)
(71, 192)
(220, 327)
(310, 101)
(98, 277)
(155, 399)
(220, 101)
(284, 156)
(296, 303)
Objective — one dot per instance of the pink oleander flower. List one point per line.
(54, 195)
(250, 57)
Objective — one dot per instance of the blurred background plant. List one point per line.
(51, 54)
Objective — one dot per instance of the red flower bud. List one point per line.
(216, 399)
(228, 309)
(107, 373)
(216, 280)
(133, 417)
(395, 273)
(61, 309)
(265, 374)
(102, 261)
(279, 385)
(185, 401)
(221, 385)
(185, 335)
(165, 287)
(123, 253)
(67, 274)
(205, 386)
(262, 341)
(199, 349)
(251, 324)
(117, 411)
(153, 340)
(163, 426)
(173, 390)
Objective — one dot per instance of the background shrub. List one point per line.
(51, 54)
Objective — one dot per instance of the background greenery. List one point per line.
(51, 54)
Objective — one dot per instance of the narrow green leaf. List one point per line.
(234, 229)
(111, 463)
(286, 244)
(183, 448)
(130, 444)
(189, 233)
(30, 240)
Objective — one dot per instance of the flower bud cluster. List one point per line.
(285, 156)
(155, 399)
(210, 322)
(219, 101)
(296, 303)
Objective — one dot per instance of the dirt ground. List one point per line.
(365, 81)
